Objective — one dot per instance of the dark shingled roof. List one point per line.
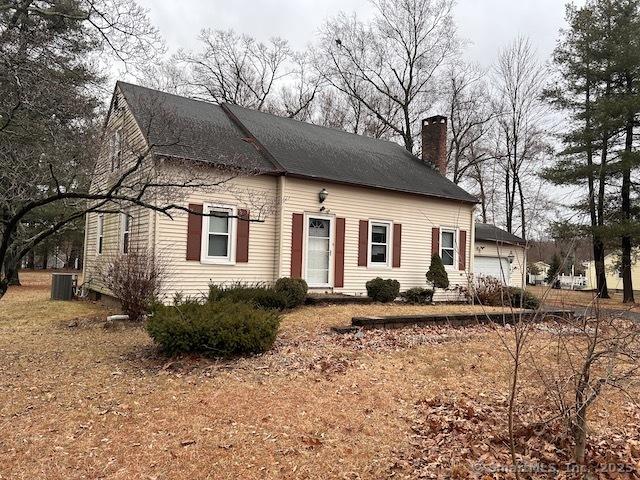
(285, 146)
(486, 232)
(185, 128)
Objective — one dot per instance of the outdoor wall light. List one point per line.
(511, 257)
(322, 196)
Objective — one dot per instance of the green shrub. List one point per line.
(383, 290)
(258, 296)
(216, 328)
(293, 289)
(523, 299)
(437, 275)
(417, 295)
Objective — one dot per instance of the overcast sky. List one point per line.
(487, 24)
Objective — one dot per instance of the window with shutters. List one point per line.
(100, 234)
(448, 247)
(379, 243)
(219, 234)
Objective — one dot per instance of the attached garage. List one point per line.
(496, 267)
(499, 254)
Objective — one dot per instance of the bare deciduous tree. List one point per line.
(470, 112)
(521, 138)
(235, 68)
(390, 65)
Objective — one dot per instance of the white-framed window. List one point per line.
(379, 243)
(115, 149)
(126, 220)
(448, 247)
(218, 233)
(100, 234)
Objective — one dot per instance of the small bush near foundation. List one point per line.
(437, 274)
(135, 279)
(216, 328)
(417, 296)
(383, 290)
(490, 291)
(258, 296)
(293, 289)
(523, 299)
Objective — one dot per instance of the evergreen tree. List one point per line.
(599, 69)
(554, 270)
(437, 274)
(579, 73)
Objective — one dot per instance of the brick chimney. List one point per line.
(434, 142)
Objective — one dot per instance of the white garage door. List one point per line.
(496, 267)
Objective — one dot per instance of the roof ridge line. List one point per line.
(261, 148)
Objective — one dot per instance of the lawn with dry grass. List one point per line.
(581, 298)
(81, 401)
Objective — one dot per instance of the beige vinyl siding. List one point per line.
(192, 278)
(132, 144)
(614, 280)
(417, 214)
(519, 265)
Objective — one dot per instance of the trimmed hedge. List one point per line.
(260, 297)
(294, 290)
(216, 328)
(383, 290)
(417, 296)
(523, 299)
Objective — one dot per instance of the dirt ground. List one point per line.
(81, 401)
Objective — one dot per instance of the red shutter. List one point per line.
(462, 254)
(397, 244)
(363, 242)
(296, 245)
(338, 273)
(435, 241)
(194, 232)
(242, 237)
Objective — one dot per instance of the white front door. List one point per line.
(318, 259)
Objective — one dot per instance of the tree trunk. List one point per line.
(31, 260)
(601, 275)
(11, 270)
(580, 435)
(627, 243)
(45, 257)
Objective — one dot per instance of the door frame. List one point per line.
(305, 241)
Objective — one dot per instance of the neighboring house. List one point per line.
(612, 270)
(345, 208)
(500, 254)
(541, 277)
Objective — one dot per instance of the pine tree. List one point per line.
(580, 73)
(554, 270)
